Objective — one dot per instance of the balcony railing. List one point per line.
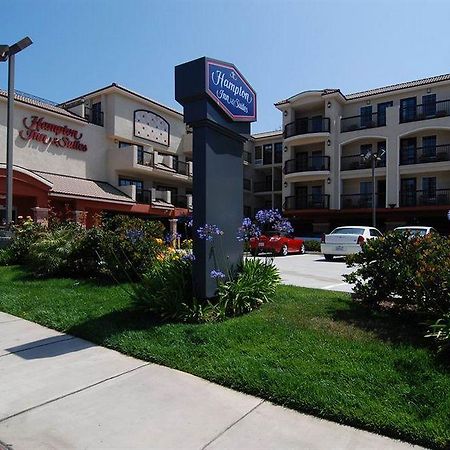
(182, 201)
(363, 122)
(247, 184)
(305, 126)
(312, 163)
(426, 154)
(145, 158)
(425, 111)
(431, 197)
(355, 162)
(307, 202)
(144, 196)
(362, 201)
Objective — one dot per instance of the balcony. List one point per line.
(425, 111)
(164, 162)
(434, 197)
(307, 202)
(310, 164)
(307, 126)
(350, 201)
(428, 154)
(356, 162)
(182, 201)
(362, 122)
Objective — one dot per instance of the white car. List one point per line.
(416, 230)
(346, 240)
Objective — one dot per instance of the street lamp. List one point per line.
(8, 52)
(373, 157)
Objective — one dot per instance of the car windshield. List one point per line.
(348, 230)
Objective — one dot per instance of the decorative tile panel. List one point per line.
(151, 127)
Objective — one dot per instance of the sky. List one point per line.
(282, 47)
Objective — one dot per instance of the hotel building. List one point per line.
(116, 151)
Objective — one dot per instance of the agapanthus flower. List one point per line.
(217, 274)
(170, 237)
(269, 216)
(134, 235)
(284, 226)
(188, 257)
(208, 232)
(247, 230)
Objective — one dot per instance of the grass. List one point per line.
(314, 351)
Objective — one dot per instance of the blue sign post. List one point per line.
(219, 105)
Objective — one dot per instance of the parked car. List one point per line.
(416, 230)
(346, 240)
(277, 243)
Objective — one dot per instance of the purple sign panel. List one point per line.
(229, 89)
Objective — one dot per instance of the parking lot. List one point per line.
(311, 270)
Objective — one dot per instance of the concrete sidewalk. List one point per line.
(61, 392)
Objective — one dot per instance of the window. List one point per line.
(429, 146)
(366, 116)
(365, 191)
(316, 124)
(365, 149)
(381, 110)
(124, 144)
(408, 192)
(317, 160)
(258, 155)
(429, 105)
(375, 233)
(408, 108)
(408, 151)
(130, 182)
(278, 152)
(267, 154)
(97, 115)
(429, 186)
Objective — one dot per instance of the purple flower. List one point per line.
(170, 237)
(217, 274)
(284, 226)
(268, 216)
(208, 232)
(190, 223)
(134, 235)
(188, 257)
(247, 230)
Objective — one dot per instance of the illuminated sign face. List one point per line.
(37, 129)
(229, 89)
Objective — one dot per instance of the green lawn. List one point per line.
(314, 351)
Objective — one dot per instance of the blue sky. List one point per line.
(281, 46)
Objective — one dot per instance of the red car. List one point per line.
(277, 243)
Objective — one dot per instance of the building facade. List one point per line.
(115, 150)
(328, 142)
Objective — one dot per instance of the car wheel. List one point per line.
(328, 257)
(302, 249)
(284, 250)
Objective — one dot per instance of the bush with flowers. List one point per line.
(403, 272)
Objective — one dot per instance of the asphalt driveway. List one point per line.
(311, 270)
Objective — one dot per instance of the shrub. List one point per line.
(312, 246)
(406, 271)
(130, 245)
(253, 285)
(166, 289)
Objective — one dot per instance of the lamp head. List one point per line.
(20, 45)
(4, 50)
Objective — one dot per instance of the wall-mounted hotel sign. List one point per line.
(37, 129)
(230, 90)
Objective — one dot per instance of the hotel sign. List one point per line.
(229, 89)
(37, 129)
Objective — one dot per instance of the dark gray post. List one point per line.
(219, 113)
(9, 140)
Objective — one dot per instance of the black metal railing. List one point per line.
(145, 158)
(94, 116)
(247, 184)
(312, 163)
(182, 167)
(305, 126)
(362, 200)
(425, 154)
(262, 186)
(181, 201)
(355, 162)
(144, 196)
(362, 122)
(425, 111)
(430, 197)
(307, 202)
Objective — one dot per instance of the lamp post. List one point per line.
(373, 157)
(9, 53)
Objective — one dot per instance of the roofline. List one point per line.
(70, 115)
(128, 91)
(269, 134)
